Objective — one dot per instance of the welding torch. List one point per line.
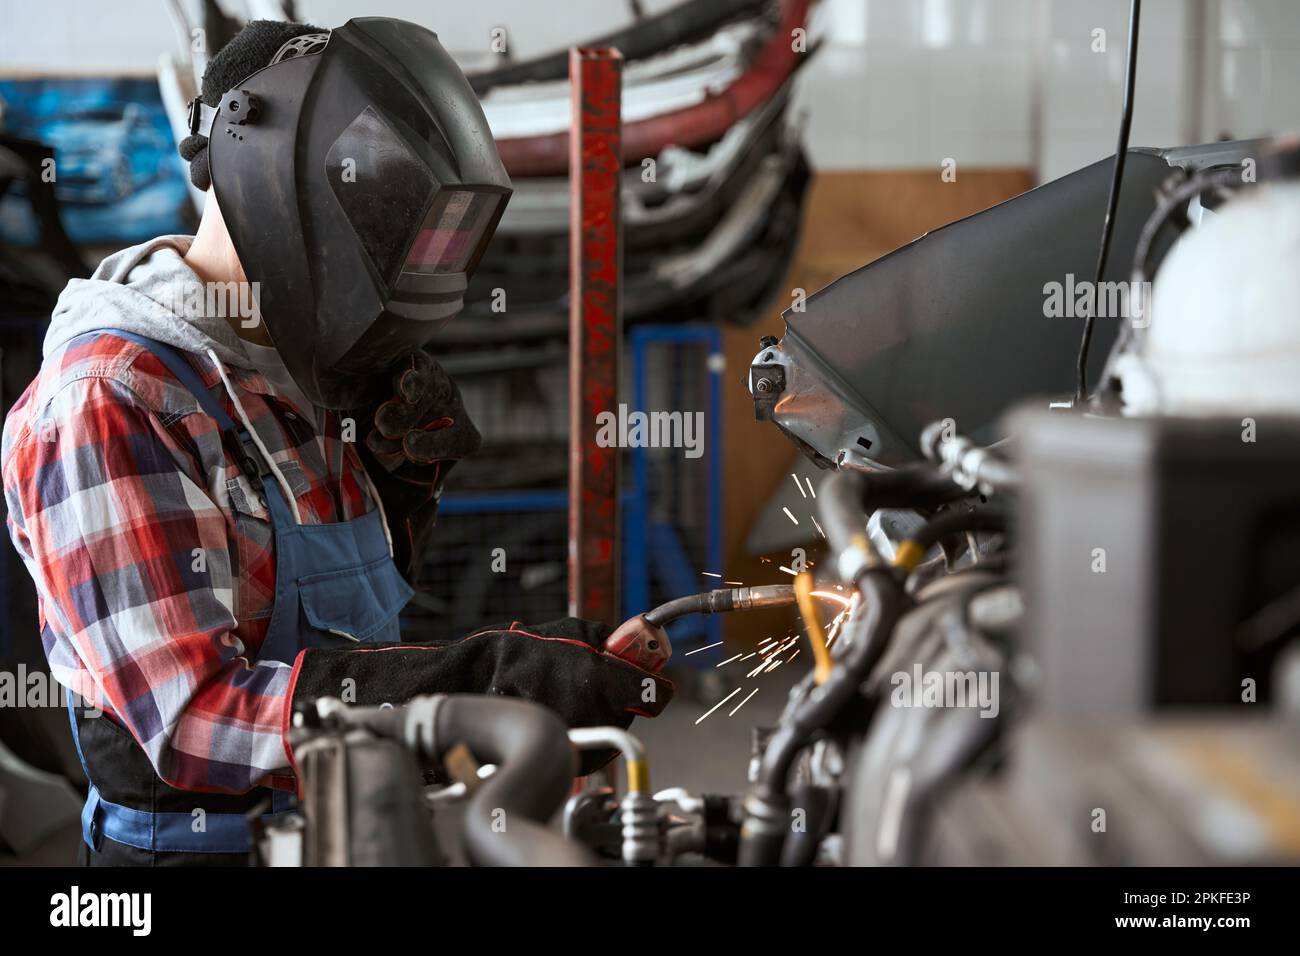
(641, 640)
(720, 600)
(641, 646)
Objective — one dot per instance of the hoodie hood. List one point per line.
(148, 289)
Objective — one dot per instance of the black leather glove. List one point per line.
(423, 429)
(412, 440)
(559, 664)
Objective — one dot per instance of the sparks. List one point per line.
(817, 526)
(835, 627)
(831, 596)
(790, 571)
(743, 702)
(705, 648)
(810, 488)
(799, 486)
(710, 574)
(718, 704)
(728, 660)
(739, 584)
(790, 516)
(771, 652)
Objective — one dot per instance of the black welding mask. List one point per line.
(360, 184)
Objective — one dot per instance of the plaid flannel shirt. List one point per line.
(153, 557)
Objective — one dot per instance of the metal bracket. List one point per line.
(201, 118)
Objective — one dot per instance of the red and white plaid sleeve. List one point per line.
(131, 560)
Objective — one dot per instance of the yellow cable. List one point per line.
(803, 584)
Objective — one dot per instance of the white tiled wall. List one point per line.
(1254, 86)
(1082, 90)
(1017, 82)
(899, 83)
(912, 82)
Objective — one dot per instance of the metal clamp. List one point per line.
(201, 118)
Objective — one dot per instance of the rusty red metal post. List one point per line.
(595, 328)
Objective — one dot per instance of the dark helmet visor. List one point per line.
(453, 232)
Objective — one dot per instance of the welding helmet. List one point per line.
(360, 184)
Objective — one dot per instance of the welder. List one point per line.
(222, 507)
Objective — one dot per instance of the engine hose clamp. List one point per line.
(854, 560)
(640, 830)
(763, 817)
(968, 472)
(421, 725)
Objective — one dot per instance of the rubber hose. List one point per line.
(957, 522)
(535, 766)
(882, 604)
(801, 845)
(721, 600)
(847, 494)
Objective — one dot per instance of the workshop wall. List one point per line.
(1005, 83)
(1019, 83)
(1014, 91)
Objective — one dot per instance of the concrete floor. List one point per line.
(712, 756)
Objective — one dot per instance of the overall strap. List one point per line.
(179, 367)
(249, 457)
(90, 809)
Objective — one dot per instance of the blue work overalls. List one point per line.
(335, 584)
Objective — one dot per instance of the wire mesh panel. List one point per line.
(673, 525)
(501, 555)
(495, 558)
(518, 398)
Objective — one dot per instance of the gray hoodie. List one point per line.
(148, 289)
(143, 289)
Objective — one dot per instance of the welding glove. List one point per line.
(560, 664)
(412, 440)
